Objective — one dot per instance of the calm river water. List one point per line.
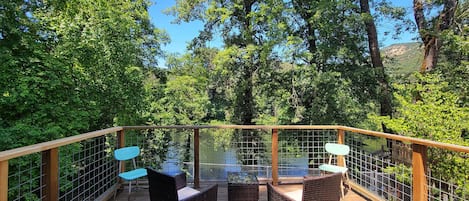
(215, 163)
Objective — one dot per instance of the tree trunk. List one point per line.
(385, 94)
(430, 34)
(309, 33)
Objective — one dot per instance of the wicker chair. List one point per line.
(163, 187)
(274, 194)
(322, 188)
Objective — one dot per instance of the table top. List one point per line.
(242, 178)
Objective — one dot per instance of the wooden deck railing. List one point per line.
(50, 154)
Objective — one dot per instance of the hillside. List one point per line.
(403, 59)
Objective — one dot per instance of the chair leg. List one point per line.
(345, 180)
(115, 191)
(130, 190)
(342, 187)
(342, 190)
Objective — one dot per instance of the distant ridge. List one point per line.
(402, 59)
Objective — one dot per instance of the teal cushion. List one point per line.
(133, 174)
(332, 168)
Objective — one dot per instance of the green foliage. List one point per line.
(185, 99)
(402, 172)
(428, 110)
(222, 137)
(69, 67)
(155, 148)
(454, 66)
(424, 110)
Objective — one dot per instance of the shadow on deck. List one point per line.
(142, 194)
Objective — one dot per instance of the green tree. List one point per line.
(39, 100)
(71, 66)
(384, 93)
(329, 37)
(431, 26)
(454, 58)
(249, 43)
(437, 115)
(107, 45)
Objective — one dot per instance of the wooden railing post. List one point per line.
(274, 157)
(340, 140)
(4, 180)
(120, 139)
(120, 144)
(419, 167)
(196, 159)
(50, 159)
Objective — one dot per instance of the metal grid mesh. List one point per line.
(233, 150)
(302, 151)
(251, 147)
(448, 175)
(87, 169)
(163, 149)
(24, 179)
(371, 166)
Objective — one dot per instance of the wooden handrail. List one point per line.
(22, 151)
(427, 143)
(14, 153)
(412, 140)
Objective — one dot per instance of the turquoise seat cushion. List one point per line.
(332, 168)
(133, 174)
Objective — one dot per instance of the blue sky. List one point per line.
(182, 34)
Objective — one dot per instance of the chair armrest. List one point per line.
(327, 187)
(180, 180)
(275, 195)
(209, 193)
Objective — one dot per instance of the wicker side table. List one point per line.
(242, 187)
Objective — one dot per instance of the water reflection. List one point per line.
(216, 162)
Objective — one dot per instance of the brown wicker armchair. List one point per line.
(163, 187)
(322, 188)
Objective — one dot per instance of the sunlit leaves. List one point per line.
(427, 110)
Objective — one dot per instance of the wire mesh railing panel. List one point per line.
(167, 150)
(448, 175)
(24, 179)
(252, 150)
(301, 152)
(218, 156)
(87, 169)
(371, 166)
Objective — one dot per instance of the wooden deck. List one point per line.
(142, 193)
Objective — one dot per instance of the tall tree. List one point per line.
(243, 25)
(328, 37)
(454, 60)
(107, 45)
(39, 100)
(373, 45)
(431, 26)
